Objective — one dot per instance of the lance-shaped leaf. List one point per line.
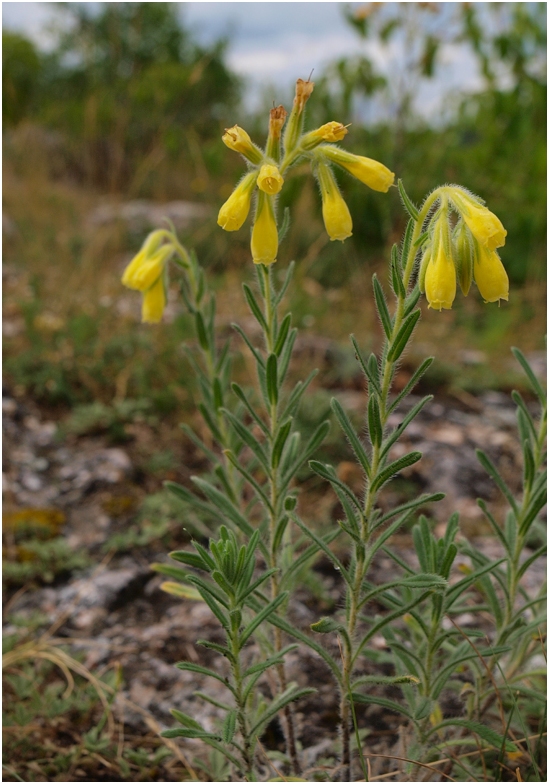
(296, 395)
(286, 283)
(490, 468)
(372, 377)
(182, 591)
(248, 476)
(388, 680)
(327, 472)
(291, 694)
(393, 468)
(192, 667)
(282, 334)
(257, 356)
(239, 392)
(457, 589)
(324, 547)
(223, 504)
(229, 726)
(286, 355)
(370, 699)
(354, 440)
(536, 386)
(410, 505)
(407, 241)
(411, 301)
(309, 449)
(249, 439)
(272, 379)
(399, 429)
(403, 336)
(375, 427)
(280, 442)
(425, 365)
(260, 617)
(495, 525)
(408, 204)
(396, 274)
(171, 571)
(382, 309)
(254, 307)
(492, 737)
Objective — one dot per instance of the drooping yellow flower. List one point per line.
(143, 276)
(336, 215)
(372, 173)
(237, 139)
(464, 246)
(149, 247)
(264, 243)
(440, 276)
(235, 210)
(486, 227)
(154, 302)
(329, 132)
(270, 180)
(490, 275)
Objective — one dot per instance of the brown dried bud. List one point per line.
(303, 90)
(276, 121)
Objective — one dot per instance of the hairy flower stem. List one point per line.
(361, 556)
(287, 717)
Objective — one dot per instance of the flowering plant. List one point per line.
(265, 547)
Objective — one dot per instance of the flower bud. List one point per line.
(372, 173)
(329, 132)
(264, 244)
(270, 180)
(490, 275)
(154, 302)
(294, 128)
(235, 210)
(464, 255)
(238, 140)
(484, 225)
(277, 118)
(336, 215)
(440, 276)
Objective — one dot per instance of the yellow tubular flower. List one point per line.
(372, 173)
(464, 253)
(235, 210)
(484, 225)
(440, 276)
(270, 180)
(151, 244)
(238, 140)
(154, 302)
(264, 233)
(148, 272)
(336, 215)
(329, 132)
(490, 275)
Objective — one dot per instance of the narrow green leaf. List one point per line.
(214, 646)
(411, 301)
(296, 395)
(254, 307)
(399, 429)
(490, 468)
(182, 732)
(201, 331)
(210, 421)
(283, 333)
(407, 241)
(375, 428)
(249, 478)
(394, 467)
(290, 695)
(223, 504)
(536, 386)
(190, 559)
(370, 699)
(421, 501)
(185, 720)
(373, 379)
(492, 737)
(326, 472)
(191, 667)
(495, 525)
(425, 365)
(408, 204)
(239, 392)
(385, 680)
(529, 465)
(280, 442)
(257, 356)
(272, 379)
(170, 571)
(260, 617)
(286, 355)
(270, 661)
(382, 309)
(354, 440)
(324, 547)
(403, 336)
(249, 439)
(286, 283)
(279, 531)
(521, 405)
(229, 725)
(396, 274)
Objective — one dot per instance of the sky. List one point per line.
(273, 43)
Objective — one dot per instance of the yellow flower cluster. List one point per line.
(267, 169)
(463, 253)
